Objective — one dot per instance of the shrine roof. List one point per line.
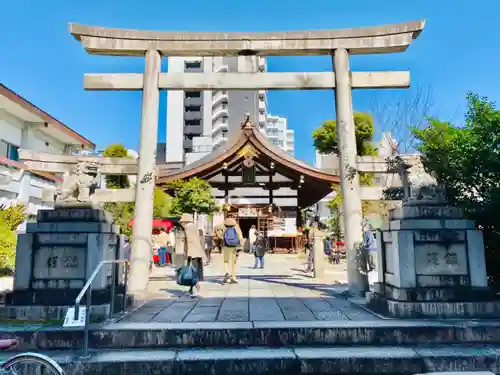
(248, 136)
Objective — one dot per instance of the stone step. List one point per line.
(392, 360)
(255, 334)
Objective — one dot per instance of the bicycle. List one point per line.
(14, 365)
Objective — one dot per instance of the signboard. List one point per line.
(69, 319)
(248, 212)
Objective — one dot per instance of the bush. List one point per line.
(7, 247)
(10, 218)
(13, 215)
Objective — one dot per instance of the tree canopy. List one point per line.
(190, 196)
(120, 181)
(466, 161)
(325, 137)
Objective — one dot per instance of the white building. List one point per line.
(23, 125)
(199, 122)
(278, 133)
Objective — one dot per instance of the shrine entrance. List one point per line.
(339, 44)
(246, 223)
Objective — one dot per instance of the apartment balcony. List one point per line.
(220, 126)
(262, 63)
(262, 106)
(218, 141)
(219, 97)
(222, 69)
(272, 135)
(262, 94)
(220, 111)
(263, 119)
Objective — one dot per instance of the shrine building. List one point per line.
(257, 182)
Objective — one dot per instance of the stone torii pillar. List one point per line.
(144, 192)
(349, 177)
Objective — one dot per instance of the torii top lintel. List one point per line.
(364, 40)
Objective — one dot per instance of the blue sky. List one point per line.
(457, 52)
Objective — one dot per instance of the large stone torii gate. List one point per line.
(338, 44)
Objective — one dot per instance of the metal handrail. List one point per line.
(88, 289)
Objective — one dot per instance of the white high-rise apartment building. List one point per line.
(278, 133)
(198, 122)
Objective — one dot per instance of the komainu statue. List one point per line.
(423, 186)
(79, 184)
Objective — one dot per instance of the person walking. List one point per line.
(171, 246)
(335, 252)
(370, 246)
(260, 250)
(217, 236)
(161, 241)
(232, 242)
(310, 240)
(193, 251)
(209, 245)
(252, 238)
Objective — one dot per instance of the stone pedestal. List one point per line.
(431, 264)
(56, 257)
(319, 254)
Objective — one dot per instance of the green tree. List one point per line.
(326, 142)
(162, 206)
(193, 195)
(465, 160)
(13, 215)
(116, 181)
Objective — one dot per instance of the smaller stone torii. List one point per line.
(338, 44)
(81, 174)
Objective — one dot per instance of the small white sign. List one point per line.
(70, 321)
(248, 212)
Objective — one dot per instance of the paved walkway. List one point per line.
(280, 292)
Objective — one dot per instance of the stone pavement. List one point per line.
(280, 292)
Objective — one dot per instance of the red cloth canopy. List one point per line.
(158, 224)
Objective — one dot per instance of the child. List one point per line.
(259, 250)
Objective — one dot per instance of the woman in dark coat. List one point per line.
(260, 250)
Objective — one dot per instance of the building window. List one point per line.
(193, 122)
(193, 64)
(192, 94)
(9, 151)
(193, 108)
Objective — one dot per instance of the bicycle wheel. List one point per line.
(31, 363)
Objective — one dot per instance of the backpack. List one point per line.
(231, 238)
